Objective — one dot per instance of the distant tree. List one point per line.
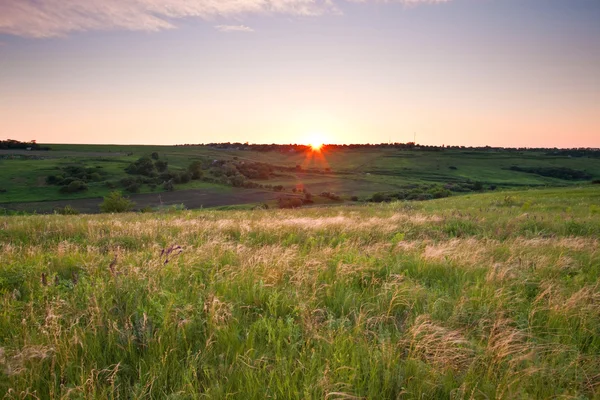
(143, 166)
(161, 166)
(195, 170)
(154, 156)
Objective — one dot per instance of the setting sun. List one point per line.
(315, 141)
(316, 146)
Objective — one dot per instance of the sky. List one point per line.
(515, 73)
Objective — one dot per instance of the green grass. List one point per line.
(479, 296)
(360, 172)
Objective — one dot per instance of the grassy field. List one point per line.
(347, 172)
(473, 297)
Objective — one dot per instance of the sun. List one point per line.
(315, 146)
(315, 141)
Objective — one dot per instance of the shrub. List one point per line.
(554, 172)
(143, 166)
(154, 156)
(379, 198)
(116, 203)
(74, 186)
(54, 179)
(161, 166)
(134, 187)
(439, 193)
(237, 181)
(183, 177)
(95, 177)
(66, 210)
(596, 182)
(331, 196)
(195, 170)
(452, 167)
(354, 198)
(293, 202)
(168, 186)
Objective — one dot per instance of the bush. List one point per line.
(554, 172)
(331, 196)
(161, 166)
(74, 187)
(439, 193)
(168, 186)
(379, 198)
(293, 202)
(154, 156)
(308, 198)
(596, 182)
(354, 198)
(116, 203)
(143, 166)
(478, 186)
(133, 187)
(66, 210)
(195, 170)
(183, 177)
(54, 179)
(95, 177)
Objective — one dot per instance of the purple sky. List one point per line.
(472, 72)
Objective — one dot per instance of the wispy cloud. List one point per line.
(234, 28)
(48, 18)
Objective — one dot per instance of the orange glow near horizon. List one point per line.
(316, 146)
(315, 141)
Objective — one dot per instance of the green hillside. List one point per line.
(348, 172)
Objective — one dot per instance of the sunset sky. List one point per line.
(455, 72)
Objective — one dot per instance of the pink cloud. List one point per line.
(48, 18)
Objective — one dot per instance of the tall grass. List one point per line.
(461, 298)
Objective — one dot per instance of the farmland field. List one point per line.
(478, 296)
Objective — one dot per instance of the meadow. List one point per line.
(479, 296)
(27, 178)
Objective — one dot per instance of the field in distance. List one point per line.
(480, 296)
(216, 175)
